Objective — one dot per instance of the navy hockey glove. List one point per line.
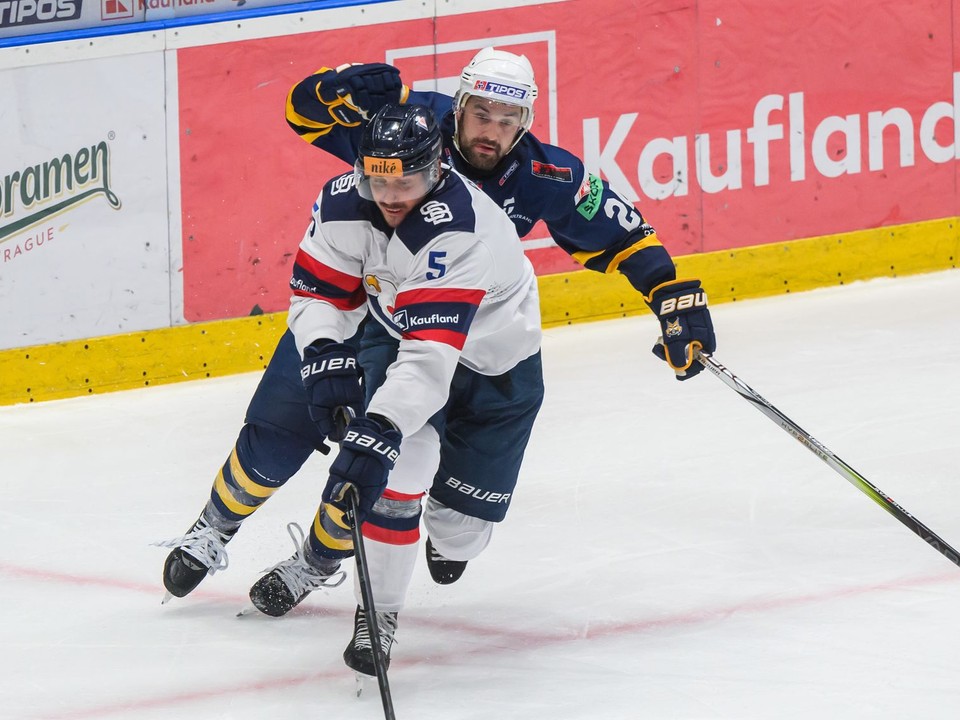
(681, 307)
(332, 381)
(353, 93)
(368, 452)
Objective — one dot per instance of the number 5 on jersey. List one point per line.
(436, 261)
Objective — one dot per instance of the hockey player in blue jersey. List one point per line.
(487, 139)
(485, 136)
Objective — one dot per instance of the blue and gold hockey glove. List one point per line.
(332, 381)
(353, 93)
(685, 324)
(346, 96)
(368, 452)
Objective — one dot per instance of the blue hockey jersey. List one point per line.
(535, 181)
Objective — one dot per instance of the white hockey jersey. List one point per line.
(451, 282)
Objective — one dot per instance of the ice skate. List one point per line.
(199, 553)
(442, 570)
(290, 581)
(359, 653)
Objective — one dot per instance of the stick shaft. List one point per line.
(342, 417)
(825, 454)
(366, 592)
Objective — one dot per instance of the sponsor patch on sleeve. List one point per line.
(589, 195)
(314, 279)
(551, 172)
(442, 315)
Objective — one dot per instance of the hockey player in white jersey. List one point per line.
(486, 138)
(439, 267)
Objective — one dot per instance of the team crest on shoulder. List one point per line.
(343, 184)
(436, 212)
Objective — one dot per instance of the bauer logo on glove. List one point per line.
(370, 449)
(326, 365)
(331, 380)
(685, 324)
(671, 305)
(373, 443)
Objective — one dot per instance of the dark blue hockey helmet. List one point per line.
(400, 141)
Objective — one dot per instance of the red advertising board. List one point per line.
(729, 124)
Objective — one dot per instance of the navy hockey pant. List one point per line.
(483, 429)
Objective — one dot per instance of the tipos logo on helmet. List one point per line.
(507, 91)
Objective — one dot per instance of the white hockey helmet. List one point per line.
(500, 76)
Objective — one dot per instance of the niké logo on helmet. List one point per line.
(383, 167)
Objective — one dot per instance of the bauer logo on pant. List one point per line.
(477, 493)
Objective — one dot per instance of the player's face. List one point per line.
(487, 130)
(397, 196)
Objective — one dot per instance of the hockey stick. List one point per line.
(366, 592)
(825, 454)
(342, 417)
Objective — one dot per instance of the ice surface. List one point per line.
(670, 554)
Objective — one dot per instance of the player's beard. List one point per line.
(485, 160)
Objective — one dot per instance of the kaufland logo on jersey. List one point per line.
(496, 88)
(407, 321)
